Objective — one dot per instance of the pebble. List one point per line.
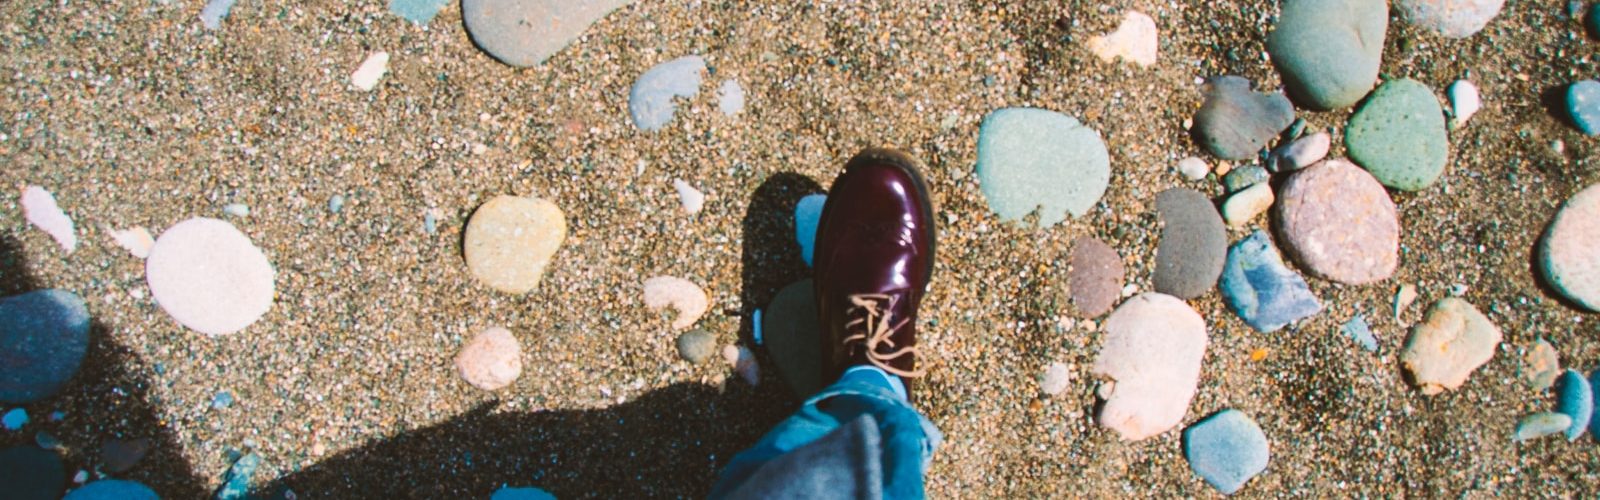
(696, 346)
(806, 215)
(1329, 50)
(1032, 159)
(730, 98)
(1339, 223)
(430, 222)
(1226, 450)
(1575, 399)
(46, 440)
(683, 295)
(691, 199)
(366, 77)
(1464, 102)
(743, 362)
(521, 493)
(1399, 135)
(651, 99)
(43, 337)
(236, 210)
(1567, 255)
(120, 455)
(1193, 245)
(27, 473)
(1245, 205)
(510, 241)
(336, 203)
(236, 484)
(214, 12)
(15, 419)
(1359, 332)
(1055, 379)
(1094, 278)
(1235, 122)
(1193, 168)
(1149, 365)
(1261, 290)
(1303, 152)
(1544, 365)
(1539, 425)
(40, 209)
(1451, 18)
(1594, 21)
(1452, 341)
(524, 33)
(222, 400)
(417, 11)
(791, 327)
(1594, 385)
(210, 277)
(1137, 39)
(491, 360)
(1242, 178)
(113, 489)
(1403, 297)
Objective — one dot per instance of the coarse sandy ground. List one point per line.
(132, 114)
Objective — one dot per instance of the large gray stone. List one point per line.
(1329, 50)
(1568, 255)
(43, 337)
(1451, 18)
(1235, 122)
(1039, 160)
(524, 33)
(1193, 246)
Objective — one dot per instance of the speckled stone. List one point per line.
(1450, 343)
(696, 346)
(1242, 178)
(1035, 160)
(524, 33)
(1451, 18)
(1264, 293)
(44, 335)
(650, 101)
(1567, 254)
(1193, 246)
(210, 277)
(1095, 276)
(510, 240)
(1543, 365)
(1234, 123)
(113, 489)
(791, 331)
(1338, 222)
(491, 360)
(1149, 365)
(1329, 50)
(1399, 135)
(1226, 450)
(1575, 399)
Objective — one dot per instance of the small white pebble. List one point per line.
(366, 76)
(692, 199)
(1464, 102)
(1055, 380)
(40, 209)
(136, 241)
(1193, 168)
(237, 209)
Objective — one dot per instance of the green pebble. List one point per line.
(1399, 136)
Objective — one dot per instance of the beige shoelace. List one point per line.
(878, 330)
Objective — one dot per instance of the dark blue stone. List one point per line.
(113, 489)
(43, 336)
(28, 473)
(1260, 289)
(1575, 399)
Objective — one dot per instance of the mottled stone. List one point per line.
(1575, 399)
(1264, 293)
(1399, 135)
(696, 346)
(1226, 450)
(1450, 343)
(524, 33)
(1567, 255)
(510, 241)
(1451, 18)
(491, 360)
(1234, 122)
(1243, 178)
(792, 332)
(28, 473)
(43, 337)
(210, 277)
(1339, 223)
(1543, 365)
(1303, 152)
(1193, 246)
(650, 101)
(1035, 160)
(1329, 50)
(1094, 276)
(1149, 365)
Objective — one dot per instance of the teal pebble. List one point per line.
(1399, 136)
(1264, 293)
(1358, 330)
(1036, 160)
(1575, 399)
(522, 493)
(236, 484)
(1240, 178)
(15, 419)
(43, 337)
(1226, 450)
(417, 11)
(113, 489)
(1583, 104)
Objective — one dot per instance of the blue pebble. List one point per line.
(1358, 331)
(222, 400)
(650, 100)
(43, 337)
(15, 419)
(236, 484)
(336, 203)
(1583, 104)
(1257, 286)
(416, 11)
(28, 472)
(113, 489)
(523, 493)
(1226, 450)
(1576, 400)
(806, 215)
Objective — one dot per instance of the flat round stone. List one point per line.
(524, 33)
(1226, 450)
(1339, 223)
(1193, 246)
(791, 330)
(1399, 135)
(1234, 122)
(209, 276)
(491, 360)
(1451, 18)
(1329, 50)
(650, 101)
(1583, 104)
(1035, 160)
(1094, 276)
(1452, 341)
(1149, 365)
(43, 337)
(1568, 256)
(510, 240)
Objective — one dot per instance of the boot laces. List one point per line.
(876, 329)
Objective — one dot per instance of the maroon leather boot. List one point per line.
(873, 259)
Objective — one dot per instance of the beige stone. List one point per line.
(511, 240)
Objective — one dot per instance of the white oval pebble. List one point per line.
(1464, 101)
(491, 360)
(1149, 364)
(39, 207)
(1055, 379)
(209, 276)
(1193, 168)
(681, 294)
(1245, 205)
